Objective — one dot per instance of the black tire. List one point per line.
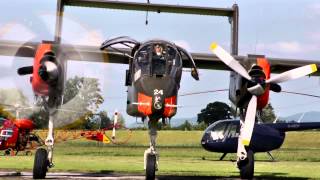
(151, 167)
(28, 153)
(7, 152)
(246, 166)
(40, 166)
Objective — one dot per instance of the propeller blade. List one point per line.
(293, 74)
(249, 122)
(225, 57)
(25, 70)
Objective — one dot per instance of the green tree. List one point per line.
(5, 114)
(105, 121)
(201, 126)
(81, 97)
(186, 126)
(12, 101)
(268, 114)
(40, 119)
(214, 112)
(98, 121)
(87, 89)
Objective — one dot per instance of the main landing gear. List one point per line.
(246, 166)
(151, 156)
(43, 157)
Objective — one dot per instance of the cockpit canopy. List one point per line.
(153, 58)
(159, 59)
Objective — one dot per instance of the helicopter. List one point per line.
(16, 136)
(222, 136)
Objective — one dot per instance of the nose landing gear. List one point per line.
(151, 156)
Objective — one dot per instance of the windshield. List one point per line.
(157, 59)
(219, 130)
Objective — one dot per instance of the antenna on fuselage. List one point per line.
(147, 13)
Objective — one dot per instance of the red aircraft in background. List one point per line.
(16, 135)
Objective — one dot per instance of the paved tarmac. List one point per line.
(109, 176)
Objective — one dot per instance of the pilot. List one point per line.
(158, 60)
(158, 50)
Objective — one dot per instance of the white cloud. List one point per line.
(74, 32)
(281, 47)
(313, 10)
(287, 49)
(16, 32)
(314, 36)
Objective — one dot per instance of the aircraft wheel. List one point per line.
(40, 166)
(151, 167)
(7, 152)
(28, 153)
(246, 166)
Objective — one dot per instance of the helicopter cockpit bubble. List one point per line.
(220, 130)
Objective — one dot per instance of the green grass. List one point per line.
(180, 154)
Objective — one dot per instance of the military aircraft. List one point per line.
(49, 68)
(153, 81)
(222, 136)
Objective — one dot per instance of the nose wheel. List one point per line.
(41, 164)
(151, 166)
(246, 166)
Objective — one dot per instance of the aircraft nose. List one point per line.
(205, 139)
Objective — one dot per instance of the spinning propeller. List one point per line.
(257, 87)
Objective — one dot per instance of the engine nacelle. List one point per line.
(45, 70)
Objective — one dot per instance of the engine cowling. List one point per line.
(45, 70)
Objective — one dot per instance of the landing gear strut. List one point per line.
(151, 156)
(43, 157)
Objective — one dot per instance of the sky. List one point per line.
(286, 29)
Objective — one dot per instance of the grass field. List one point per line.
(180, 154)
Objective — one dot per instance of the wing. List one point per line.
(136, 6)
(94, 54)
